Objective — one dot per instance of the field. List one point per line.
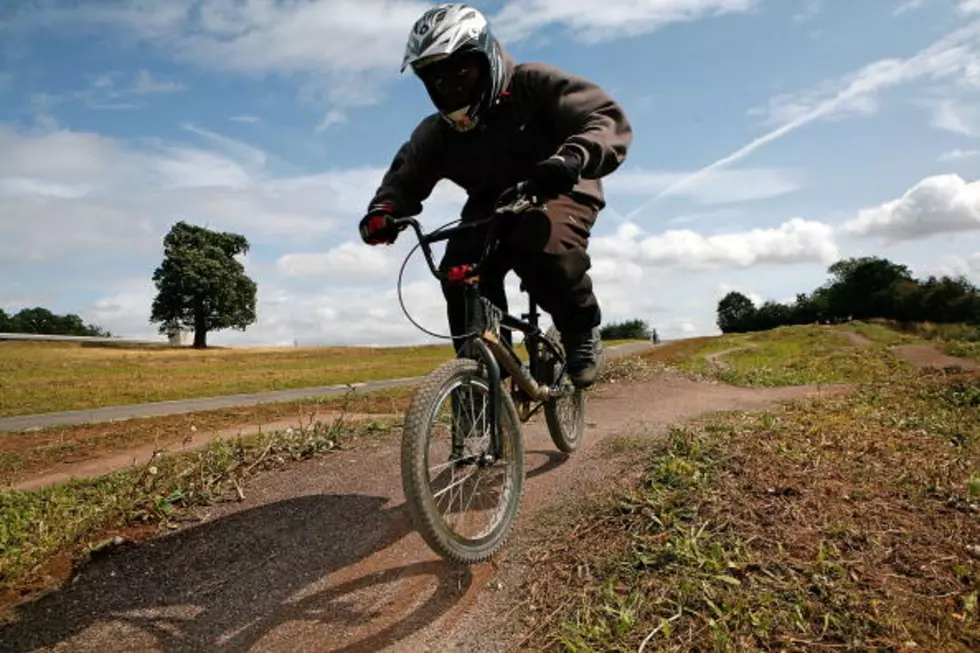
(43, 377)
(39, 377)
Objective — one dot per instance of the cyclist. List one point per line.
(497, 123)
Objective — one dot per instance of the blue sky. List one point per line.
(772, 137)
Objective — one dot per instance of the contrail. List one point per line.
(937, 59)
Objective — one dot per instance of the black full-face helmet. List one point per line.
(454, 53)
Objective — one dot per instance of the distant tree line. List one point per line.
(859, 288)
(628, 330)
(41, 320)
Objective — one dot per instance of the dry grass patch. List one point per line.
(848, 522)
(23, 455)
(44, 377)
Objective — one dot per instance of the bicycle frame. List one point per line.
(484, 320)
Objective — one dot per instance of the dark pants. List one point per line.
(547, 250)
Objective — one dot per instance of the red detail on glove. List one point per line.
(458, 273)
(377, 223)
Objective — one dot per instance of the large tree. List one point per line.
(736, 313)
(865, 287)
(201, 285)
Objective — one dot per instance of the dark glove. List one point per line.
(559, 173)
(378, 226)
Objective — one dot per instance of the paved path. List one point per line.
(180, 406)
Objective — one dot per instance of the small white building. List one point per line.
(181, 337)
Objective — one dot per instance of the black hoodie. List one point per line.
(541, 110)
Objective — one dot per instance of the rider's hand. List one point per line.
(378, 226)
(559, 173)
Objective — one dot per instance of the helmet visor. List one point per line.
(453, 82)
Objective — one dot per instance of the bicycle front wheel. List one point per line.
(462, 504)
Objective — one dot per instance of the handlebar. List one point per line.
(524, 198)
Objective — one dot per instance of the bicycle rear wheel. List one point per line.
(433, 479)
(565, 416)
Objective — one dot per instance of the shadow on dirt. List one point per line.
(226, 584)
(555, 459)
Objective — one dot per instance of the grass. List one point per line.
(43, 377)
(955, 339)
(23, 455)
(26, 454)
(38, 377)
(846, 522)
(795, 355)
(878, 332)
(47, 532)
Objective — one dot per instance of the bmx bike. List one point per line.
(484, 437)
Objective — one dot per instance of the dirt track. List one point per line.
(322, 557)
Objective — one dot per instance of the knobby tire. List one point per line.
(415, 465)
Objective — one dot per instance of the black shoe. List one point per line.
(580, 353)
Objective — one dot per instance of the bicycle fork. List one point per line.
(477, 349)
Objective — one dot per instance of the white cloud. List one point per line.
(120, 197)
(63, 156)
(719, 187)
(125, 311)
(908, 5)
(342, 51)
(335, 315)
(789, 107)
(951, 116)
(145, 83)
(795, 241)
(104, 92)
(593, 22)
(113, 194)
(968, 266)
(938, 204)
(969, 6)
(810, 10)
(25, 187)
(246, 119)
(332, 117)
(958, 154)
(952, 56)
(251, 156)
(725, 288)
(352, 261)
